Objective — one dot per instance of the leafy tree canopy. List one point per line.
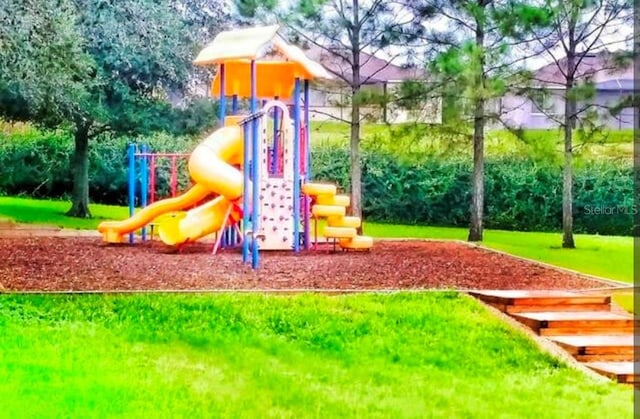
(100, 65)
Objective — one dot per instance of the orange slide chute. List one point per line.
(211, 166)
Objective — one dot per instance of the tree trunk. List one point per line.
(356, 167)
(569, 123)
(477, 192)
(570, 107)
(80, 169)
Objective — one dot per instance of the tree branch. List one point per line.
(553, 57)
(386, 64)
(370, 13)
(559, 29)
(376, 37)
(600, 30)
(330, 50)
(588, 23)
(588, 106)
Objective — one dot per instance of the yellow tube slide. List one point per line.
(113, 231)
(210, 166)
(196, 223)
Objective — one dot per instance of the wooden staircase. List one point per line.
(583, 325)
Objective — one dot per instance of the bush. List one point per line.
(109, 167)
(37, 164)
(521, 193)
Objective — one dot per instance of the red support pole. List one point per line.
(174, 176)
(152, 179)
(280, 154)
(281, 147)
(303, 150)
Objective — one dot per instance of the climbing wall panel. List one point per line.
(276, 214)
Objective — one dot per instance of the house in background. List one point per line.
(612, 85)
(332, 99)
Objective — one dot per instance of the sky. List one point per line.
(611, 39)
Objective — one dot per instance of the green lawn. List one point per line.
(407, 138)
(606, 256)
(625, 300)
(24, 210)
(402, 355)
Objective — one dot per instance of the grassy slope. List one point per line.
(403, 355)
(607, 256)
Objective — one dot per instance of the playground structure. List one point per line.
(255, 169)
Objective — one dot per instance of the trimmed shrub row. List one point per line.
(38, 165)
(521, 194)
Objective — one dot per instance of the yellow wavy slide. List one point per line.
(211, 166)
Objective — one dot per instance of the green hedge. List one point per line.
(521, 194)
(34, 163)
(38, 164)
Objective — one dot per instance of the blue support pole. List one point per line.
(296, 166)
(275, 151)
(223, 99)
(234, 105)
(131, 174)
(255, 164)
(144, 183)
(307, 224)
(245, 191)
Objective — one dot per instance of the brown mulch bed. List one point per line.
(86, 264)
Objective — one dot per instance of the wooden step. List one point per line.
(549, 323)
(597, 347)
(622, 372)
(516, 301)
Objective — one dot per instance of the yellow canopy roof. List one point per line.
(237, 48)
(306, 68)
(236, 44)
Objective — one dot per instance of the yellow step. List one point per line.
(340, 200)
(319, 189)
(328, 210)
(353, 222)
(357, 242)
(340, 232)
